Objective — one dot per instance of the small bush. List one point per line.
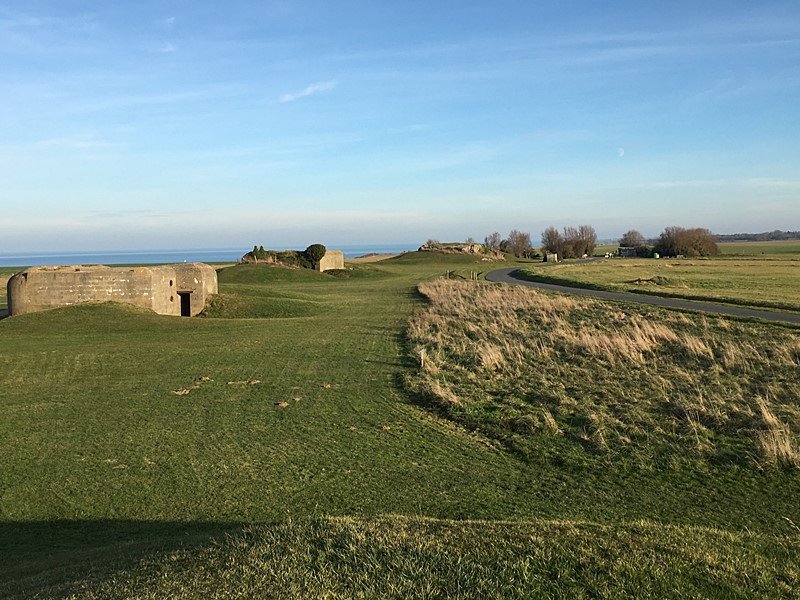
(315, 252)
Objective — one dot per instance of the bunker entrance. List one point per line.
(186, 303)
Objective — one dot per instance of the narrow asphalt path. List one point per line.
(504, 276)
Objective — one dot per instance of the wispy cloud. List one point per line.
(167, 22)
(771, 182)
(753, 182)
(311, 90)
(74, 143)
(166, 48)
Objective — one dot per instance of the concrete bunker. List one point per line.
(180, 290)
(333, 260)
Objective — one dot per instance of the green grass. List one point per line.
(775, 249)
(400, 557)
(747, 281)
(102, 466)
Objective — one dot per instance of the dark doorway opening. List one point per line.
(186, 303)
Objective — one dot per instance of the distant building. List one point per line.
(180, 290)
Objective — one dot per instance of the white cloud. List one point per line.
(166, 48)
(74, 143)
(168, 22)
(314, 88)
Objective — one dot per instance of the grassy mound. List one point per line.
(673, 387)
(438, 258)
(396, 557)
(260, 273)
(240, 301)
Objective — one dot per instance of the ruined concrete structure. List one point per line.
(180, 290)
(333, 259)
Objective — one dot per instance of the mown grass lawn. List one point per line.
(775, 250)
(294, 410)
(760, 274)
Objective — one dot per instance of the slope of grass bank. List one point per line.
(400, 557)
(638, 383)
(128, 435)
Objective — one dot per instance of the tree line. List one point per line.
(767, 236)
(673, 241)
(581, 241)
(572, 242)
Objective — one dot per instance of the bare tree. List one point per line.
(552, 241)
(493, 241)
(571, 245)
(519, 243)
(470, 241)
(587, 238)
(632, 239)
(676, 241)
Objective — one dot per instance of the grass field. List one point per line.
(767, 250)
(136, 447)
(760, 274)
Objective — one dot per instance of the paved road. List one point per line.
(504, 276)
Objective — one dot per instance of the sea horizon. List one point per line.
(213, 255)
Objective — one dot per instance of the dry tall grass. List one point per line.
(514, 362)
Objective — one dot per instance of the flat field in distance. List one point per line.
(760, 274)
(768, 250)
(280, 431)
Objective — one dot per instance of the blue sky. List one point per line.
(208, 124)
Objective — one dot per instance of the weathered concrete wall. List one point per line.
(198, 279)
(333, 259)
(154, 288)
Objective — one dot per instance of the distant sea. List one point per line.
(148, 257)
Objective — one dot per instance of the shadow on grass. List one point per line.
(48, 557)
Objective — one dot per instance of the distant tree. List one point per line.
(552, 241)
(493, 240)
(432, 243)
(571, 244)
(519, 243)
(632, 239)
(677, 241)
(470, 241)
(587, 240)
(315, 252)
